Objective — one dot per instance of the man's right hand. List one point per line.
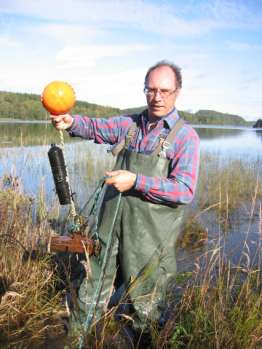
(62, 122)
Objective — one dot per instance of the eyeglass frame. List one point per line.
(154, 91)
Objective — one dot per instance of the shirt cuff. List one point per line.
(70, 129)
(141, 184)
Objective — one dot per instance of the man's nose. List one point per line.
(157, 95)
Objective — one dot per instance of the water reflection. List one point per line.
(231, 143)
(217, 133)
(259, 134)
(85, 160)
(26, 134)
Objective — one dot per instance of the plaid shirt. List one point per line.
(179, 187)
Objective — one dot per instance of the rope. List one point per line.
(96, 198)
(98, 290)
(72, 211)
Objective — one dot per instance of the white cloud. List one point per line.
(234, 13)
(120, 89)
(88, 55)
(6, 42)
(68, 33)
(243, 46)
(161, 17)
(103, 49)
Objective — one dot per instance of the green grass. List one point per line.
(222, 311)
(215, 305)
(29, 304)
(228, 186)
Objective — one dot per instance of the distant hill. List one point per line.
(29, 107)
(133, 110)
(205, 116)
(26, 106)
(210, 117)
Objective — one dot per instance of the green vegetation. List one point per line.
(29, 134)
(217, 305)
(229, 186)
(25, 106)
(29, 107)
(30, 308)
(220, 308)
(204, 117)
(224, 190)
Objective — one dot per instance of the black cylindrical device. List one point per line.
(57, 163)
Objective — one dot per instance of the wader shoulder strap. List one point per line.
(164, 143)
(126, 141)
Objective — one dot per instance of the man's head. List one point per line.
(163, 82)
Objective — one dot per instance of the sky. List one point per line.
(103, 48)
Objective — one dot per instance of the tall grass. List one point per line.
(216, 305)
(29, 303)
(221, 304)
(228, 184)
(224, 190)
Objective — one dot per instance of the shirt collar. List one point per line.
(169, 119)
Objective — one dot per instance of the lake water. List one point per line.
(24, 150)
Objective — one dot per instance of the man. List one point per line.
(156, 171)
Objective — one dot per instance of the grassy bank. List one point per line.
(218, 304)
(29, 305)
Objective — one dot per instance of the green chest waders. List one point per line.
(143, 243)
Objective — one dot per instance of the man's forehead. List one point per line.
(163, 73)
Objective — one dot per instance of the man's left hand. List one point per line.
(122, 180)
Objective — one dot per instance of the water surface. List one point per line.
(24, 150)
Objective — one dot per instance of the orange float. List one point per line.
(58, 97)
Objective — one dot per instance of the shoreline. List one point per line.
(240, 127)
(19, 121)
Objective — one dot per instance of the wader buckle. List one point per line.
(164, 146)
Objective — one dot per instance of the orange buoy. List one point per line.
(58, 97)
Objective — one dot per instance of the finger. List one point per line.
(113, 173)
(110, 180)
(57, 118)
(58, 124)
(55, 122)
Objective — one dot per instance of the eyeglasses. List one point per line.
(164, 93)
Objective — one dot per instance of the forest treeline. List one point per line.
(209, 117)
(26, 106)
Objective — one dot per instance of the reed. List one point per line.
(29, 302)
(229, 185)
(224, 190)
(221, 303)
(216, 305)
(221, 306)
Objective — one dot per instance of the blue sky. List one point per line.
(103, 49)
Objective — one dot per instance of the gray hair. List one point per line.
(175, 68)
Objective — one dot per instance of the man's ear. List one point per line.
(177, 92)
